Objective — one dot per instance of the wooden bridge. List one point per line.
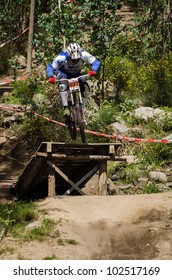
(64, 169)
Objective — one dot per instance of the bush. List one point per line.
(152, 83)
(4, 56)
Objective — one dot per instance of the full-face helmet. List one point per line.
(74, 51)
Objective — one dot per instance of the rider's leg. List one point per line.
(63, 89)
(63, 93)
(85, 91)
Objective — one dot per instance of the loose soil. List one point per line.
(102, 228)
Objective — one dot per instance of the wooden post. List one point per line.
(102, 188)
(30, 40)
(51, 183)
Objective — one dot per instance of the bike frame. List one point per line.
(78, 119)
(76, 98)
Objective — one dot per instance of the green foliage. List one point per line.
(23, 91)
(7, 221)
(150, 188)
(4, 56)
(52, 257)
(40, 233)
(17, 213)
(100, 121)
(119, 72)
(13, 62)
(131, 172)
(150, 84)
(6, 249)
(153, 21)
(156, 155)
(107, 113)
(71, 241)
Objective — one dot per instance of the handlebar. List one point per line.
(74, 79)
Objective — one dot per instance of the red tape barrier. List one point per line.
(13, 39)
(7, 82)
(7, 185)
(119, 137)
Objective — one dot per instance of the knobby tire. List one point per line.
(80, 122)
(72, 130)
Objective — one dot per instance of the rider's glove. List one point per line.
(92, 73)
(52, 80)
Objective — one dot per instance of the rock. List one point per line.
(112, 188)
(169, 137)
(40, 99)
(33, 225)
(158, 176)
(7, 95)
(142, 181)
(2, 140)
(132, 159)
(147, 113)
(144, 113)
(169, 185)
(22, 62)
(119, 127)
(8, 121)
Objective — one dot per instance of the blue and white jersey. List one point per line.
(62, 63)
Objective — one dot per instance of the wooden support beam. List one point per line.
(49, 147)
(102, 188)
(111, 149)
(77, 157)
(89, 174)
(67, 179)
(51, 183)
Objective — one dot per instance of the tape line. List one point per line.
(119, 137)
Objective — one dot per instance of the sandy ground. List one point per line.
(102, 228)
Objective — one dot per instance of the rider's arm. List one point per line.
(91, 60)
(50, 70)
(56, 64)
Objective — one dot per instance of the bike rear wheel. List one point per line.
(81, 123)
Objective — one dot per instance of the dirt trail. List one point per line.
(112, 227)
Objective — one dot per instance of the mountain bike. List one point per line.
(77, 119)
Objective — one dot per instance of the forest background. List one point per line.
(136, 66)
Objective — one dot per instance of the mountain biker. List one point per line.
(68, 64)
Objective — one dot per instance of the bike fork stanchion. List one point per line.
(83, 114)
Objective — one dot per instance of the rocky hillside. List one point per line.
(16, 152)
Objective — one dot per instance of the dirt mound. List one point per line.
(112, 227)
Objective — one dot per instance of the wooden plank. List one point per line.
(81, 147)
(29, 174)
(77, 157)
(89, 174)
(51, 183)
(102, 188)
(81, 144)
(67, 179)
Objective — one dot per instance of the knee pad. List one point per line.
(62, 87)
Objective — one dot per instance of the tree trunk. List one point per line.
(30, 40)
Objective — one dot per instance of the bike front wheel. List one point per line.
(72, 130)
(81, 123)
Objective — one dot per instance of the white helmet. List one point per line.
(74, 51)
